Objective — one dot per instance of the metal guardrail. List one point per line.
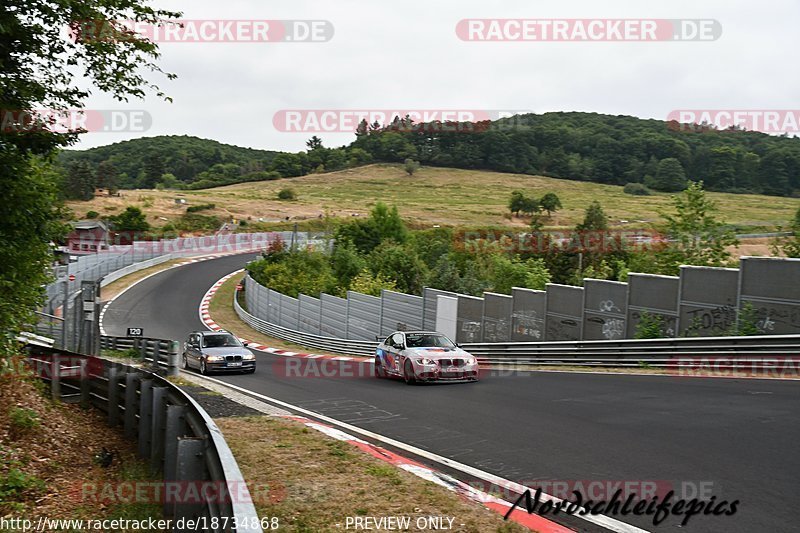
(164, 353)
(763, 349)
(320, 342)
(171, 429)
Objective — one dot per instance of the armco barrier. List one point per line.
(329, 344)
(171, 429)
(135, 267)
(162, 352)
(614, 353)
(633, 352)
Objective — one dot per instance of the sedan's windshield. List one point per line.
(220, 341)
(428, 340)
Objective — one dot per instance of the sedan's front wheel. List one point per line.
(185, 362)
(408, 373)
(203, 368)
(379, 371)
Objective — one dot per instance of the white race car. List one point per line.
(418, 356)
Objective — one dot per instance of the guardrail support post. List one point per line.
(145, 416)
(190, 468)
(130, 404)
(142, 345)
(157, 430)
(173, 359)
(175, 427)
(85, 383)
(113, 396)
(55, 379)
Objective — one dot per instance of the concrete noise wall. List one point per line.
(764, 295)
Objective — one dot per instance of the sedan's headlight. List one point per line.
(426, 361)
(248, 357)
(214, 358)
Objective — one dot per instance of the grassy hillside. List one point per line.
(432, 196)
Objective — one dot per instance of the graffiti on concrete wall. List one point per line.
(528, 324)
(471, 331)
(563, 329)
(496, 330)
(714, 320)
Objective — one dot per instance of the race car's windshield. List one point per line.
(220, 341)
(428, 340)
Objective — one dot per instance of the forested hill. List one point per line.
(599, 148)
(143, 162)
(578, 146)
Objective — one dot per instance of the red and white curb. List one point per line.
(206, 318)
(533, 522)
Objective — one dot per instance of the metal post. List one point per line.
(142, 345)
(64, 306)
(113, 396)
(55, 381)
(157, 430)
(85, 384)
(173, 359)
(130, 404)
(175, 427)
(190, 468)
(145, 416)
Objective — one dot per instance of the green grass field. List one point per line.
(436, 196)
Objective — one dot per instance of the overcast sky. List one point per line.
(406, 55)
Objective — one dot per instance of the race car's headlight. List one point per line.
(425, 361)
(214, 358)
(471, 361)
(248, 357)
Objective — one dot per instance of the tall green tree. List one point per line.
(43, 69)
(517, 202)
(107, 176)
(550, 202)
(153, 170)
(131, 220)
(80, 181)
(670, 176)
(410, 166)
(594, 219)
(700, 239)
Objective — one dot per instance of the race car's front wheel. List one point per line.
(408, 373)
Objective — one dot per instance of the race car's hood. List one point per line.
(439, 353)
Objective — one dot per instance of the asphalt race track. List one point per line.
(742, 436)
